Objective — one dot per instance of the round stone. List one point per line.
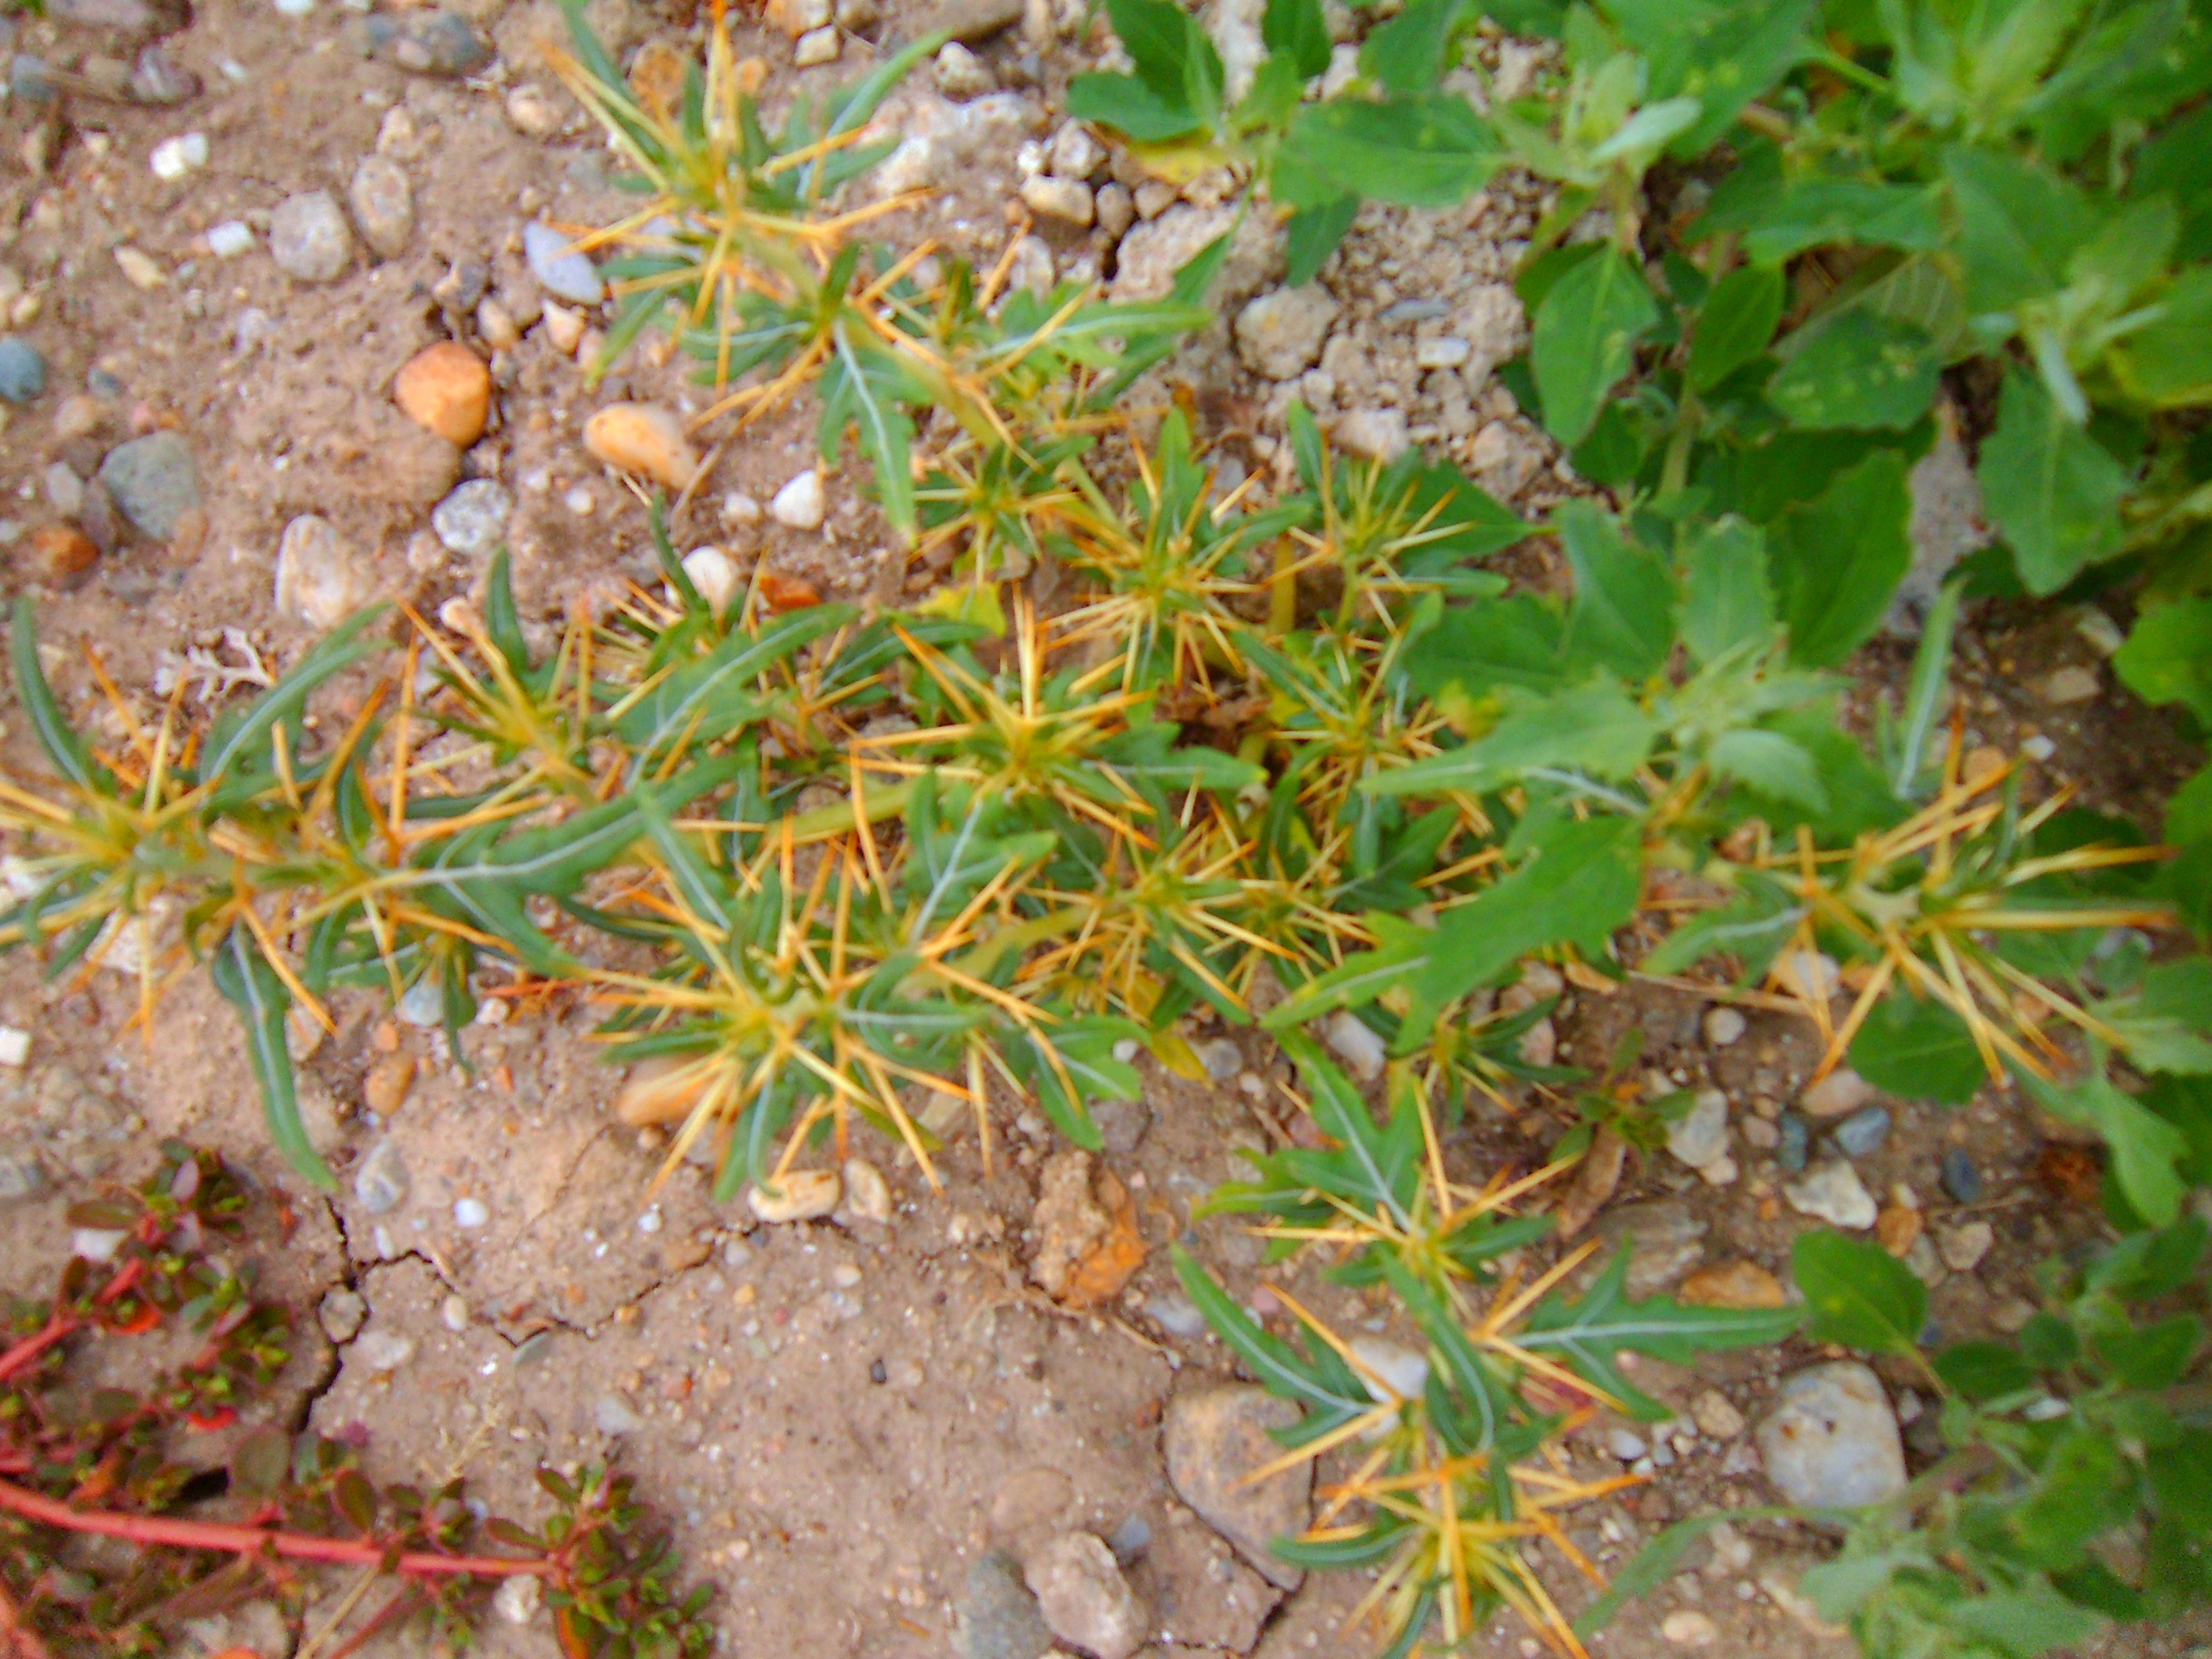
(22, 370)
(154, 483)
(473, 519)
(383, 204)
(309, 239)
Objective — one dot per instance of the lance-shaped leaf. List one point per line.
(1328, 1389)
(1375, 1169)
(1596, 729)
(1858, 1294)
(711, 696)
(237, 740)
(48, 723)
(1584, 338)
(1589, 1334)
(244, 978)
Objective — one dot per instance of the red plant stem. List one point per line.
(21, 1355)
(253, 1540)
(17, 1639)
(133, 1270)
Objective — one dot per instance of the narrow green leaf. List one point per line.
(48, 723)
(1580, 884)
(1407, 54)
(244, 979)
(1297, 30)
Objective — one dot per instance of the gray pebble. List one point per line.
(157, 78)
(101, 384)
(613, 1415)
(65, 489)
(309, 239)
(154, 483)
(473, 519)
(1178, 1315)
(430, 43)
(555, 262)
(999, 1617)
(381, 1182)
(21, 1176)
(379, 1352)
(1131, 1539)
(22, 370)
(1796, 1142)
(30, 81)
(383, 205)
(1862, 1131)
(1961, 1180)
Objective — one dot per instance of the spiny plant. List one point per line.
(814, 858)
(81, 1459)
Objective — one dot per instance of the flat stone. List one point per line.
(998, 1619)
(1834, 1194)
(555, 262)
(1733, 1284)
(1084, 1599)
(472, 520)
(1700, 1136)
(1214, 1441)
(383, 204)
(2070, 685)
(1839, 1093)
(1831, 1441)
(1723, 1027)
(961, 74)
(309, 238)
(22, 370)
(612, 1414)
(1066, 199)
(1280, 334)
(1716, 1415)
(1121, 1124)
(381, 1183)
(799, 1195)
(153, 480)
(1961, 1180)
(1377, 434)
(969, 21)
(158, 78)
(867, 1194)
(1664, 1238)
(342, 1313)
(430, 43)
(645, 439)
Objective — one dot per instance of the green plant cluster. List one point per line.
(83, 1457)
(1282, 755)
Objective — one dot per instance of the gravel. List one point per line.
(1961, 1180)
(153, 480)
(383, 204)
(555, 262)
(381, 1183)
(473, 519)
(1862, 1131)
(1834, 1194)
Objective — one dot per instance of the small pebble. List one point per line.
(817, 46)
(1862, 1131)
(1686, 1627)
(2038, 748)
(153, 480)
(1355, 1042)
(446, 389)
(471, 1213)
(65, 489)
(2070, 685)
(613, 1415)
(22, 370)
(1723, 1026)
(157, 78)
(14, 1045)
(1176, 1314)
(1963, 1247)
(564, 329)
(1624, 1445)
(309, 238)
(580, 501)
(565, 273)
(173, 158)
(342, 1313)
(381, 1183)
(867, 1194)
(140, 269)
(229, 238)
(740, 508)
(645, 439)
(1834, 1194)
(1796, 1142)
(453, 1315)
(518, 1597)
(1961, 1180)
(380, 1352)
(1839, 1093)
(473, 519)
(383, 204)
(96, 1243)
(799, 503)
(430, 43)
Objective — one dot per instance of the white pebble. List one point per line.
(738, 507)
(2038, 748)
(800, 502)
(296, 8)
(173, 158)
(650, 1221)
(470, 1212)
(1723, 1026)
(713, 575)
(14, 1046)
(580, 501)
(96, 1243)
(453, 1315)
(229, 238)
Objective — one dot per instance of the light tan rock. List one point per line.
(799, 1195)
(644, 439)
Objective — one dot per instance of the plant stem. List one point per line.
(152, 1529)
(17, 1639)
(20, 1357)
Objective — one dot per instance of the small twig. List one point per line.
(20, 1357)
(242, 1540)
(397, 1608)
(17, 1639)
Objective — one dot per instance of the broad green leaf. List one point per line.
(1130, 107)
(2085, 1487)
(1984, 1370)
(1723, 53)
(1406, 55)
(1858, 1294)
(1596, 729)
(1735, 324)
(1726, 602)
(1858, 371)
(2156, 1356)
(1312, 235)
(2019, 224)
(1431, 150)
(1622, 617)
(2051, 488)
(1512, 642)
(1821, 212)
(1297, 30)
(2181, 1481)
(244, 979)
(1648, 131)
(1173, 55)
(1584, 339)
(2167, 657)
(2023, 1623)
(2166, 1024)
(2144, 1146)
(1915, 1048)
(1580, 885)
(1776, 766)
(1587, 1334)
(1836, 561)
